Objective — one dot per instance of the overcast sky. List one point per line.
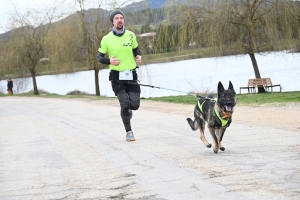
(9, 7)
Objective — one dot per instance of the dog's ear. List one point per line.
(220, 88)
(231, 87)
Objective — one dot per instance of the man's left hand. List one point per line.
(138, 59)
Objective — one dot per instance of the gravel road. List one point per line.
(76, 149)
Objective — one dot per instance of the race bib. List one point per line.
(126, 75)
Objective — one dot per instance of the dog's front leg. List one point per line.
(220, 137)
(215, 139)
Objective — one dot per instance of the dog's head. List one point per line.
(226, 98)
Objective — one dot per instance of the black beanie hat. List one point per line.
(115, 12)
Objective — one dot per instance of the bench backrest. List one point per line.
(254, 82)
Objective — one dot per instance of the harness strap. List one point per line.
(223, 121)
(200, 106)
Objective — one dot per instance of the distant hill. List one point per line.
(146, 4)
(135, 13)
(137, 8)
(154, 4)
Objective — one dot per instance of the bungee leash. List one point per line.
(152, 86)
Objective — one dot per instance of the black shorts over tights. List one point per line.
(118, 86)
(123, 85)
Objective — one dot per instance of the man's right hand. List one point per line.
(114, 61)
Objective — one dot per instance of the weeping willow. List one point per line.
(247, 26)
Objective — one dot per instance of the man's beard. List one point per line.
(119, 27)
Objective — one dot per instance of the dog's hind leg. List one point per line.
(193, 124)
(202, 136)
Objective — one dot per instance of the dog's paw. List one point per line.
(208, 146)
(222, 148)
(216, 149)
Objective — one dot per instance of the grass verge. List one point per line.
(242, 99)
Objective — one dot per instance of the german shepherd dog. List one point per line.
(217, 113)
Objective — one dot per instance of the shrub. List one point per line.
(76, 92)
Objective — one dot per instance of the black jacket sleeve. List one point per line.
(102, 59)
(136, 51)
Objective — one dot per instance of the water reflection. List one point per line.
(197, 75)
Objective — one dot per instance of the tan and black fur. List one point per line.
(224, 106)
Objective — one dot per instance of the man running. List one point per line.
(124, 55)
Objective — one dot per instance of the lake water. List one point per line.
(197, 75)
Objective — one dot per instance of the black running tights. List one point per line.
(128, 101)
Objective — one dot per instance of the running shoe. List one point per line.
(130, 136)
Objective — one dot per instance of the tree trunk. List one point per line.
(97, 81)
(256, 71)
(35, 89)
(252, 55)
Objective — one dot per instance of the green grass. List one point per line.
(269, 97)
(242, 99)
(53, 95)
(185, 99)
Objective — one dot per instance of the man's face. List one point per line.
(118, 21)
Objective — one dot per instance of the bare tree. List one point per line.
(21, 85)
(28, 33)
(63, 47)
(90, 40)
(92, 33)
(253, 26)
(8, 60)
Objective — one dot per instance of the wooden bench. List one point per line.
(260, 82)
(250, 88)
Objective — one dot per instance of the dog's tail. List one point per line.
(193, 124)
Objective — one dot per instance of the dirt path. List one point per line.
(282, 116)
(76, 149)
